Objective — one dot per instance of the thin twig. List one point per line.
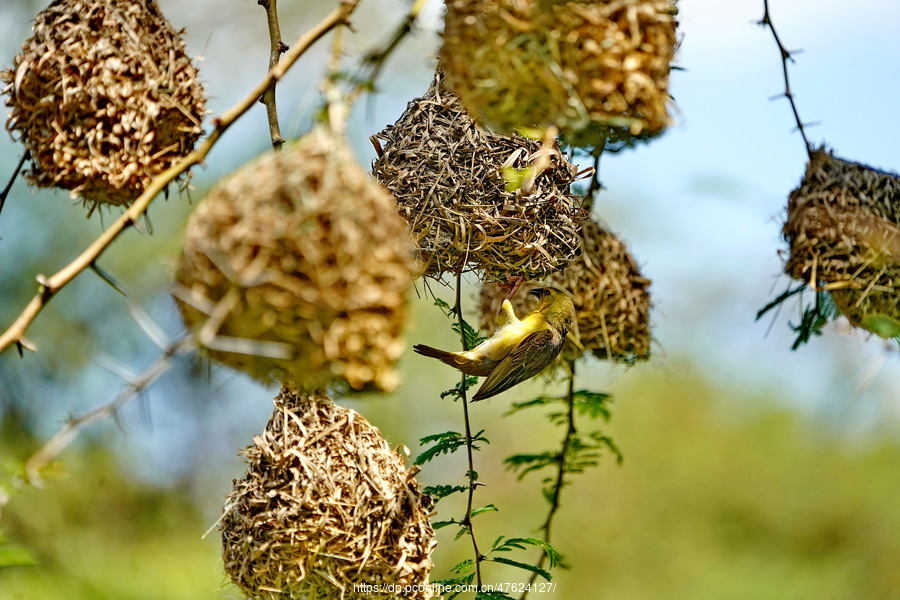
(594, 186)
(70, 431)
(376, 60)
(12, 178)
(277, 48)
(49, 286)
(786, 56)
(473, 483)
(561, 470)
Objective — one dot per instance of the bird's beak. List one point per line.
(537, 292)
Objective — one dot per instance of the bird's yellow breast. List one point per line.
(506, 338)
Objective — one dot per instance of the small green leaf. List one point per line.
(441, 524)
(463, 530)
(442, 305)
(521, 565)
(16, 556)
(784, 296)
(483, 509)
(528, 463)
(439, 492)
(463, 567)
(453, 582)
(539, 401)
(493, 595)
(443, 443)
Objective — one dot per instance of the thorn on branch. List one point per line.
(107, 278)
(786, 56)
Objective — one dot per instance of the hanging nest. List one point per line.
(612, 300)
(296, 268)
(599, 71)
(470, 197)
(843, 230)
(104, 97)
(327, 510)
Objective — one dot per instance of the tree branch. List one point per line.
(561, 471)
(277, 49)
(473, 483)
(70, 431)
(786, 56)
(12, 178)
(49, 286)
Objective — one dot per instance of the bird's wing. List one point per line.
(528, 359)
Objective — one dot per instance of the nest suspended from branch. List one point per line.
(599, 71)
(612, 300)
(470, 197)
(104, 97)
(843, 229)
(296, 269)
(326, 505)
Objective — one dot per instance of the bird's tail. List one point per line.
(442, 355)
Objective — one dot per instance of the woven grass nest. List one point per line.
(612, 300)
(843, 230)
(104, 97)
(326, 504)
(465, 195)
(296, 268)
(599, 71)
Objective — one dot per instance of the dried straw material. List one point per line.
(104, 97)
(325, 505)
(843, 228)
(612, 300)
(296, 269)
(597, 70)
(470, 197)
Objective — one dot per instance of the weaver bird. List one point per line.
(519, 349)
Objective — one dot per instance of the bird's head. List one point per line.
(556, 306)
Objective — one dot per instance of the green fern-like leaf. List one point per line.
(521, 565)
(439, 492)
(524, 464)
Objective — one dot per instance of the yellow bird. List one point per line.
(519, 349)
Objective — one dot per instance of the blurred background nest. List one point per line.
(612, 300)
(104, 98)
(295, 269)
(326, 504)
(597, 70)
(843, 231)
(475, 200)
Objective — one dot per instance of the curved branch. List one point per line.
(277, 48)
(49, 286)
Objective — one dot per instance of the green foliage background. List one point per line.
(707, 505)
